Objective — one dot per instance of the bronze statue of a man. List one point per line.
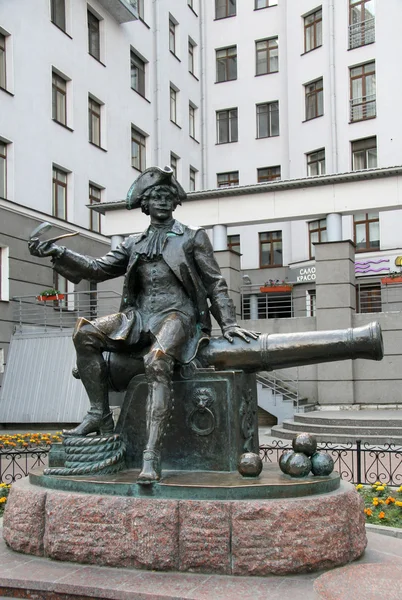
(170, 273)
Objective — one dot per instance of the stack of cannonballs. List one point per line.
(305, 458)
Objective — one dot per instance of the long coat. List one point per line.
(189, 254)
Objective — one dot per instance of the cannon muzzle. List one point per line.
(268, 352)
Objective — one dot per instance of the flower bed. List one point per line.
(383, 504)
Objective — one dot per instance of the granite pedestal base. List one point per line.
(238, 537)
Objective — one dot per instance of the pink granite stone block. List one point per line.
(24, 518)
(205, 536)
(295, 535)
(153, 530)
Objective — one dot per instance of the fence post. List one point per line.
(359, 460)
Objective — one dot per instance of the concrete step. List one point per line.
(294, 425)
(308, 407)
(359, 418)
(338, 438)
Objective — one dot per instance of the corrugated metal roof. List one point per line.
(38, 386)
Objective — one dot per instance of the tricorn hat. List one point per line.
(150, 178)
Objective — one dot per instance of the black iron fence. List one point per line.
(356, 463)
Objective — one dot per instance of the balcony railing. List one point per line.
(363, 108)
(49, 315)
(361, 33)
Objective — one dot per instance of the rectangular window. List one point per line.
(193, 175)
(58, 13)
(59, 194)
(226, 64)
(94, 120)
(267, 119)
(362, 92)
(270, 249)
(137, 66)
(59, 99)
(316, 163)
(226, 126)
(364, 154)
(317, 232)
(138, 147)
(173, 105)
(234, 243)
(172, 36)
(191, 120)
(311, 303)
(3, 79)
(313, 30)
(173, 164)
(228, 179)
(93, 35)
(268, 174)
(3, 170)
(191, 57)
(366, 232)
(264, 3)
(139, 6)
(314, 99)
(368, 297)
(225, 8)
(361, 23)
(95, 197)
(266, 55)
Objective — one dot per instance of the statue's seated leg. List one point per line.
(89, 344)
(158, 372)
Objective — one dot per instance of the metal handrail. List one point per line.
(363, 108)
(362, 33)
(287, 387)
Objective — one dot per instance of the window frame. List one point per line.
(234, 243)
(174, 164)
(270, 107)
(224, 60)
(94, 113)
(56, 185)
(268, 50)
(271, 175)
(365, 31)
(364, 103)
(271, 240)
(364, 142)
(3, 61)
(229, 121)
(232, 179)
(366, 222)
(192, 179)
(3, 159)
(191, 62)
(314, 24)
(191, 120)
(94, 199)
(138, 66)
(268, 4)
(368, 297)
(94, 35)
(227, 14)
(314, 94)
(312, 158)
(318, 226)
(54, 7)
(172, 36)
(138, 138)
(173, 105)
(57, 91)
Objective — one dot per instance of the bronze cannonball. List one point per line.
(283, 460)
(305, 443)
(250, 465)
(322, 464)
(298, 465)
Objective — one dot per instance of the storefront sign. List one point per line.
(302, 275)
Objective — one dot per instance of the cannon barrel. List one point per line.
(268, 352)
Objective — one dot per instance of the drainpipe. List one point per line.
(157, 153)
(332, 76)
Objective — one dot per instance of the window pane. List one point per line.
(360, 235)
(93, 36)
(374, 234)
(3, 165)
(2, 61)
(274, 119)
(232, 67)
(372, 158)
(58, 13)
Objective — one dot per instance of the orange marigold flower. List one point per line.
(368, 512)
(381, 515)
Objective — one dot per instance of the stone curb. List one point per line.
(395, 532)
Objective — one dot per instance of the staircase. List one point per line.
(370, 426)
(278, 394)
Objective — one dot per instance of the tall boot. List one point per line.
(157, 413)
(93, 374)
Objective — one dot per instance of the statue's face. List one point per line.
(161, 206)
